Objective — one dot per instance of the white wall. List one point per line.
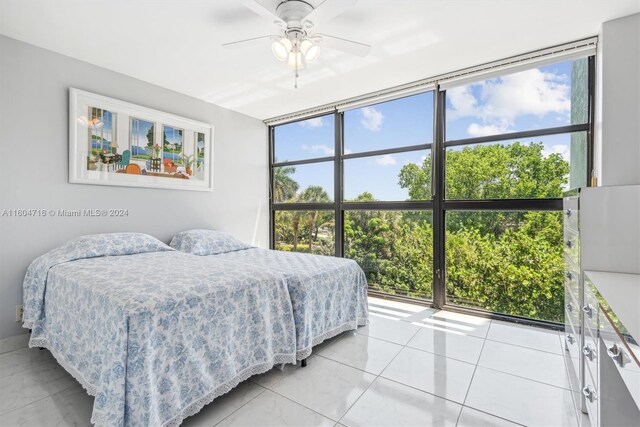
(618, 122)
(34, 166)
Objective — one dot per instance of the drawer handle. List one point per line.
(588, 310)
(589, 352)
(569, 306)
(589, 394)
(617, 354)
(569, 244)
(569, 275)
(570, 339)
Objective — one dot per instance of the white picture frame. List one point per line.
(100, 133)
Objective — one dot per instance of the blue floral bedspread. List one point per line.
(155, 334)
(328, 294)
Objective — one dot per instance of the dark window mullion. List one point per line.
(518, 135)
(438, 156)
(504, 205)
(591, 76)
(304, 161)
(387, 206)
(337, 184)
(408, 148)
(324, 206)
(271, 189)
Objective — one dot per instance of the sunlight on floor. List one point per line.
(425, 317)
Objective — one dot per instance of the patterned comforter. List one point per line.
(328, 294)
(155, 334)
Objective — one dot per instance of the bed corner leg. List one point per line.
(303, 363)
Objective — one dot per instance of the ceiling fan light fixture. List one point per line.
(305, 46)
(281, 49)
(295, 61)
(312, 54)
(297, 43)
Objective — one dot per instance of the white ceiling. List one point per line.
(176, 43)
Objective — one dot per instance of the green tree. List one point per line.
(517, 272)
(285, 187)
(417, 179)
(150, 136)
(508, 262)
(313, 194)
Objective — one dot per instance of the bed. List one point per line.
(155, 334)
(328, 294)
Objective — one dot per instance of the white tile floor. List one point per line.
(410, 367)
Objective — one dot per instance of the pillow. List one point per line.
(207, 242)
(112, 244)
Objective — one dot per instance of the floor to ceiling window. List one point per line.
(447, 195)
(512, 145)
(303, 158)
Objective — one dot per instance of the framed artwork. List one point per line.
(113, 142)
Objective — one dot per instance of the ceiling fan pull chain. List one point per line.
(295, 86)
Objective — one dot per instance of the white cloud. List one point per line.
(500, 101)
(386, 160)
(528, 92)
(318, 148)
(371, 118)
(463, 102)
(475, 129)
(561, 149)
(316, 122)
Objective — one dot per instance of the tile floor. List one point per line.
(411, 366)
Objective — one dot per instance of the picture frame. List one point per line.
(117, 143)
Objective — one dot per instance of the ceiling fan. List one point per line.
(298, 43)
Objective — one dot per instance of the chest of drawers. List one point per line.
(574, 337)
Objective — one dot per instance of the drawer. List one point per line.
(571, 218)
(624, 355)
(591, 399)
(572, 246)
(590, 310)
(572, 343)
(591, 354)
(570, 202)
(572, 280)
(572, 309)
(572, 358)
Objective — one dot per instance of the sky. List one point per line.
(173, 135)
(139, 131)
(532, 99)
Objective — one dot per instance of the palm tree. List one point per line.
(313, 194)
(295, 227)
(284, 187)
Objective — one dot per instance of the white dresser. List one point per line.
(573, 299)
(609, 315)
(611, 351)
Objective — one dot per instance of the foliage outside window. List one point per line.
(506, 261)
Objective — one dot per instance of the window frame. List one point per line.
(438, 205)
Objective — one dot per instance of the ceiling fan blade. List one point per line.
(262, 11)
(344, 45)
(245, 42)
(327, 10)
